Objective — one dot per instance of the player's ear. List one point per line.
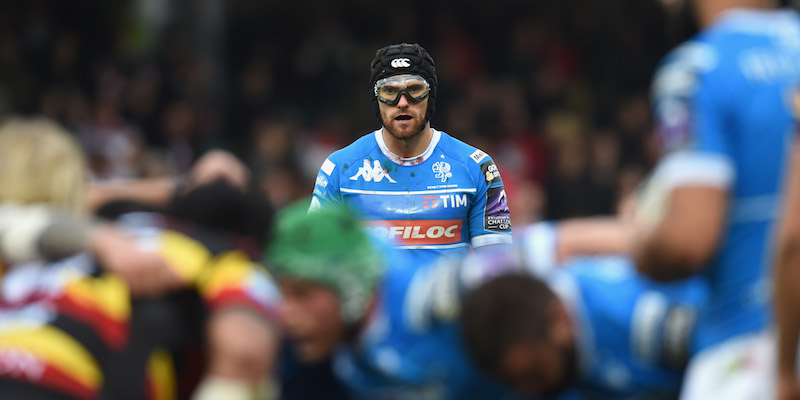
(560, 330)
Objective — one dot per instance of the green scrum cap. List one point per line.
(328, 246)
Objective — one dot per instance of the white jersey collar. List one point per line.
(408, 160)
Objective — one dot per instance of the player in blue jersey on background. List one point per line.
(390, 326)
(724, 107)
(422, 189)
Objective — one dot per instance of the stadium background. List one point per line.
(555, 91)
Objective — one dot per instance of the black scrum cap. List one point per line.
(401, 59)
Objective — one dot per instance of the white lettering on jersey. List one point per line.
(478, 155)
(372, 173)
(416, 232)
(455, 200)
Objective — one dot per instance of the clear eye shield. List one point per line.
(389, 90)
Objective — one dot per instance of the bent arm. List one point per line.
(687, 235)
(601, 235)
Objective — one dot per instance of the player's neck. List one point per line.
(410, 147)
(709, 10)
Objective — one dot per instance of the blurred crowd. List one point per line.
(232, 107)
(556, 92)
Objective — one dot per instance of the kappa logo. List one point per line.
(442, 170)
(401, 63)
(372, 173)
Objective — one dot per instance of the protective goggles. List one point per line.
(388, 90)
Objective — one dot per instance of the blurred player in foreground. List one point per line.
(725, 105)
(576, 319)
(425, 191)
(69, 328)
(392, 332)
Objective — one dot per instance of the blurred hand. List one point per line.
(146, 272)
(218, 164)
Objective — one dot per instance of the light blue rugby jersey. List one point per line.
(441, 202)
(411, 347)
(634, 335)
(726, 106)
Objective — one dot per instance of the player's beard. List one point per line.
(403, 132)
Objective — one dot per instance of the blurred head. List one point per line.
(517, 330)
(311, 318)
(405, 105)
(327, 268)
(226, 206)
(41, 163)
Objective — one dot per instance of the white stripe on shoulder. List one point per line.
(328, 166)
(490, 239)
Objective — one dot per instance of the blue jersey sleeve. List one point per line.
(690, 100)
(326, 188)
(490, 218)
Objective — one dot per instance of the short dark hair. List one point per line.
(221, 206)
(501, 312)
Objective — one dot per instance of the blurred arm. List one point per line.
(152, 191)
(787, 277)
(685, 238)
(602, 235)
(214, 165)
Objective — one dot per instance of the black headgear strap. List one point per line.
(401, 59)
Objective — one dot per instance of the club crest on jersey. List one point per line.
(372, 173)
(442, 170)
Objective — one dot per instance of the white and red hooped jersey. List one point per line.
(441, 202)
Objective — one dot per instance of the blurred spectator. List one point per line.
(149, 85)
